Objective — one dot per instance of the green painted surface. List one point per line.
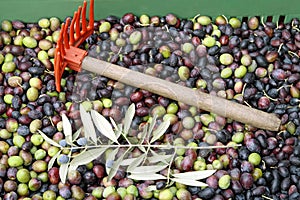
(32, 10)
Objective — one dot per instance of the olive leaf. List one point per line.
(87, 156)
(189, 182)
(195, 175)
(88, 125)
(115, 167)
(52, 160)
(149, 177)
(128, 161)
(118, 128)
(152, 124)
(76, 134)
(67, 129)
(147, 169)
(114, 123)
(151, 188)
(110, 160)
(104, 126)
(160, 158)
(63, 171)
(128, 118)
(161, 129)
(50, 141)
(144, 134)
(136, 162)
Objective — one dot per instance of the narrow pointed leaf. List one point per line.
(115, 167)
(143, 149)
(63, 171)
(149, 177)
(52, 160)
(128, 118)
(127, 161)
(151, 188)
(161, 129)
(133, 140)
(110, 158)
(86, 157)
(147, 169)
(103, 126)
(152, 124)
(88, 125)
(137, 161)
(195, 175)
(160, 158)
(67, 129)
(50, 141)
(76, 134)
(114, 123)
(144, 133)
(189, 182)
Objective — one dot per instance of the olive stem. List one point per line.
(151, 146)
(269, 96)
(263, 196)
(262, 21)
(279, 48)
(225, 19)
(293, 53)
(169, 167)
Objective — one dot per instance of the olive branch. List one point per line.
(155, 157)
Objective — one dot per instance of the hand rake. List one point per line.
(75, 31)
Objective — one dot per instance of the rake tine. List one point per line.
(77, 24)
(71, 34)
(83, 18)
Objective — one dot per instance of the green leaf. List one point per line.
(104, 126)
(128, 118)
(142, 148)
(144, 133)
(50, 141)
(67, 129)
(76, 134)
(147, 169)
(89, 130)
(145, 177)
(133, 140)
(152, 124)
(63, 171)
(161, 129)
(195, 175)
(110, 158)
(127, 161)
(52, 160)
(151, 188)
(114, 123)
(86, 157)
(115, 167)
(189, 182)
(160, 158)
(137, 161)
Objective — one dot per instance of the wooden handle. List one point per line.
(214, 104)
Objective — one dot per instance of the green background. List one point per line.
(32, 10)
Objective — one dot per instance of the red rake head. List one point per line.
(66, 52)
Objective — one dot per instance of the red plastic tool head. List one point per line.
(72, 34)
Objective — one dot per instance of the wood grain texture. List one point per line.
(204, 101)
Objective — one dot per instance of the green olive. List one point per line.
(240, 72)
(29, 42)
(224, 182)
(226, 72)
(104, 27)
(44, 23)
(226, 59)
